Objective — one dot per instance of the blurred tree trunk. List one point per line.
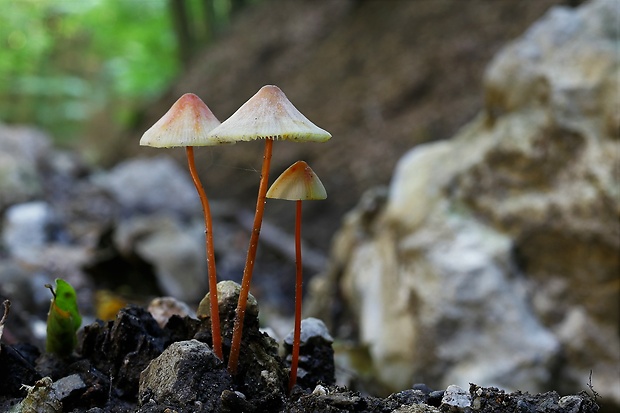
(195, 30)
(210, 23)
(236, 6)
(183, 29)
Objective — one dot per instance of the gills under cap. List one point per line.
(268, 114)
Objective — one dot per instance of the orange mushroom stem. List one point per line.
(266, 115)
(298, 298)
(298, 183)
(187, 124)
(235, 348)
(206, 210)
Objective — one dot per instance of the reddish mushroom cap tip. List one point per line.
(268, 114)
(297, 183)
(187, 123)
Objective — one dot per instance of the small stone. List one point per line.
(416, 408)
(455, 399)
(316, 355)
(319, 390)
(162, 308)
(571, 404)
(435, 397)
(67, 385)
(186, 372)
(311, 329)
(151, 185)
(228, 297)
(41, 398)
(235, 401)
(25, 228)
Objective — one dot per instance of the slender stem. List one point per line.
(235, 348)
(215, 315)
(298, 296)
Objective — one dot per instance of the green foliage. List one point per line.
(63, 61)
(63, 319)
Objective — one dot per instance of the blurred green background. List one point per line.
(64, 61)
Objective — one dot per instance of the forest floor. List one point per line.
(133, 364)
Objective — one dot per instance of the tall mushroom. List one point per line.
(298, 183)
(187, 123)
(271, 116)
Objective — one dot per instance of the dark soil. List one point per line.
(110, 372)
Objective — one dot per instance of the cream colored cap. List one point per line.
(187, 123)
(268, 114)
(298, 182)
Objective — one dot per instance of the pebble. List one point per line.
(311, 328)
(455, 399)
(25, 228)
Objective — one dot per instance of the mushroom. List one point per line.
(298, 183)
(187, 123)
(271, 116)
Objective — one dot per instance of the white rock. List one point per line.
(496, 251)
(310, 328)
(21, 151)
(176, 251)
(455, 399)
(24, 226)
(151, 185)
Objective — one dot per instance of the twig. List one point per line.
(7, 307)
(595, 394)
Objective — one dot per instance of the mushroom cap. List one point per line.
(187, 123)
(297, 183)
(268, 114)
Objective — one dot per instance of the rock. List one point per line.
(259, 362)
(316, 355)
(227, 297)
(312, 329)
(124, 347)
(187, 372)
(21, 151)
(151, 185)
(416, 408)
(488, 400)
(494, 257)
(163, 308)
(25, 229)
(41, 398)
(67, 385)
(176, 252)
(455, 399)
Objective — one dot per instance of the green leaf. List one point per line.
(63, 319)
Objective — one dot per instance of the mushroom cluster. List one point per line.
(267, 115)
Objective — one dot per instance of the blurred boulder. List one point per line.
(21, 151)
(25, 229)
(176, 252)
(494, 256)
(151, 185)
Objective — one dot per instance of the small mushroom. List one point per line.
(271, 116)
(298, 183)
(187, 123)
